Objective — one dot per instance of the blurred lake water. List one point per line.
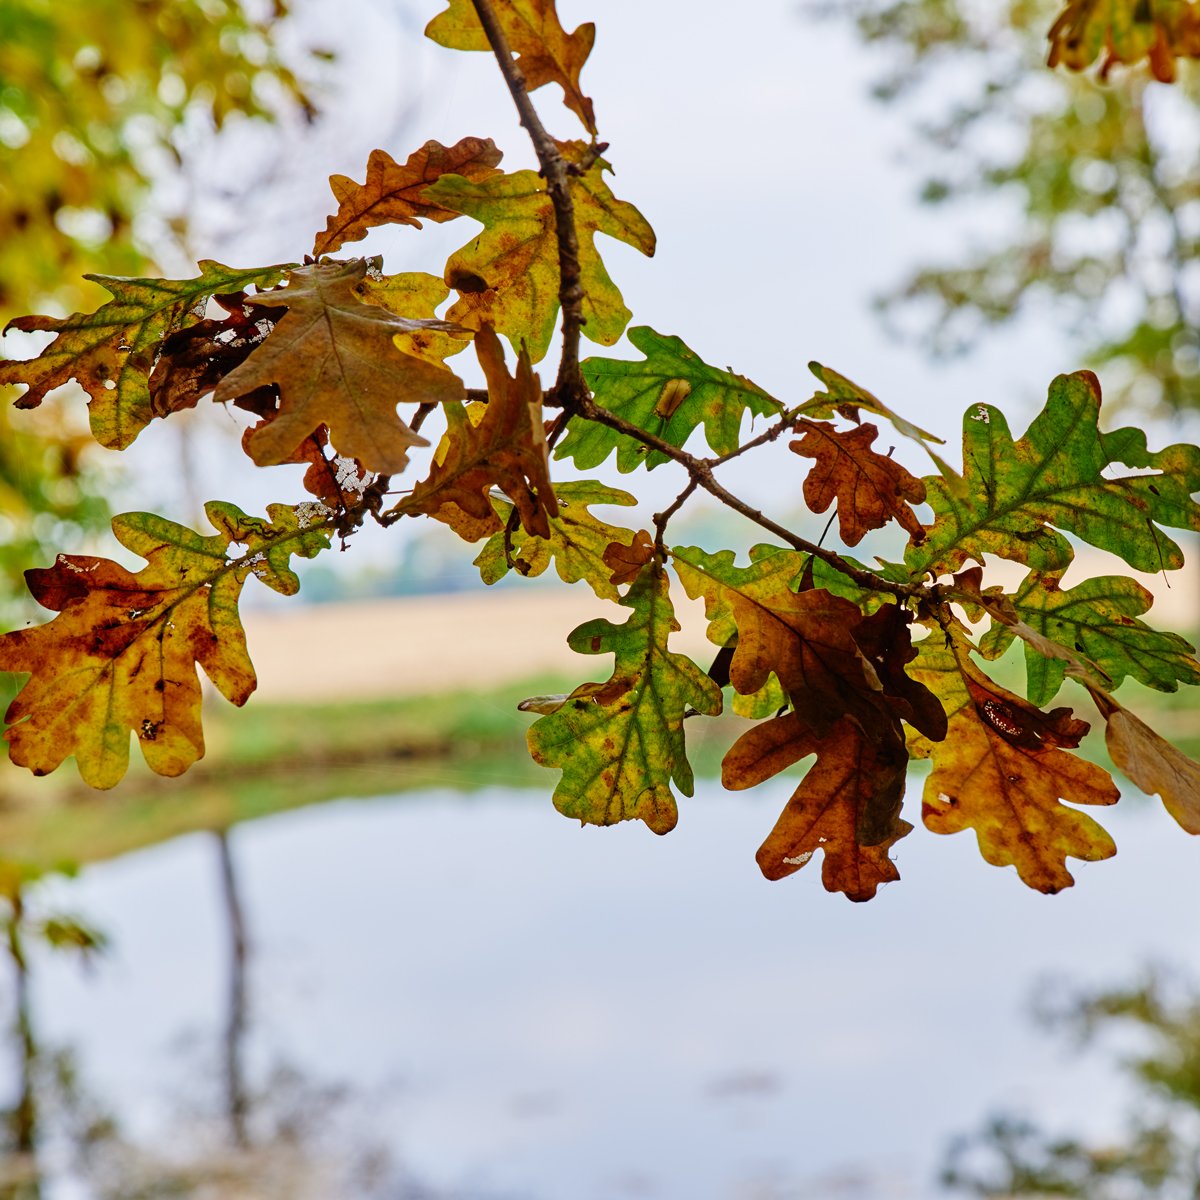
(469, 996)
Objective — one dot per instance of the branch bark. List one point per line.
(557, 172)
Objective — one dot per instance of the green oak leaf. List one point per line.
(1014, 496)
(576, 543)
(507, 276)
(112, 351)
(1097, 617)
(620, 744)
(717, 579)
(670, 394)
(842, 394)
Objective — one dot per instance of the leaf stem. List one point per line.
(701, 471)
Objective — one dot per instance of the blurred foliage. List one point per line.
(1105, 174)
(1156, 1024)
(93, 99)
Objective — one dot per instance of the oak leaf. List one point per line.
(508, 275)
(845, 398)
(620, 744)
(194, 359)
(671, 394)
(577, 542)
(111, 352)
(505, 450)
(870, 488)
(1151, 761)
(121, 655)
(803, 638)
(1003, 770)
(627, 560)
(847, 806)
(546, 53)
(332, 358)
(416, 295)
(391, 194)
(1014, 496)
(1098, 618)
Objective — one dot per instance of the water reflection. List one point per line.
(1152, 1030)
(442, 996)
(291, 1138)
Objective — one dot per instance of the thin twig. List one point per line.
(781, 426)
(661, 519)
(700, 470)
(421, 415)
(556, 171)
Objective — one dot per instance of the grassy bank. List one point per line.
(269, 758)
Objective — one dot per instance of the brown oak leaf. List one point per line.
(505, 450)
(391, 192)
(627, 561)
(870, 488)
(193, 360)
(333, 359)
(1151, 761)
(847, 806)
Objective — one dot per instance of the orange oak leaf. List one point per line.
(121, 656)
(391, 193)
(1003, 770)
(505, 450)
(870, 488)
(334, 362)
(847, 806)
(627, 560)
(546, 52)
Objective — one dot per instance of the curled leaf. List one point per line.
(1152, 762)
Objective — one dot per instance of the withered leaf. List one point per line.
(506, 450)
(392, 192)
(870, 488)
(334, 362)
(1126, 31)
(111, 352)
(847, 806)
(627, 560)
(121, 655)
(546, 53)
(1151, 761)
(193, 360)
